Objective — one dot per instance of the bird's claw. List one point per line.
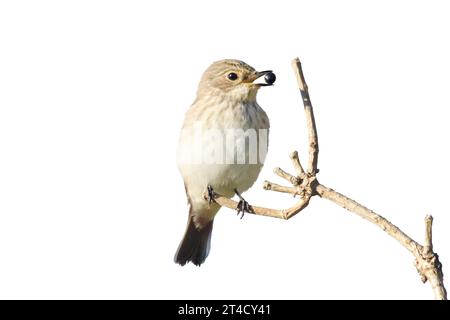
(211, 194)
(243, 206)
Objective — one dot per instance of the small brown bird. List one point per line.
(222, 131)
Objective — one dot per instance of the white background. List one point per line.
(92, 97)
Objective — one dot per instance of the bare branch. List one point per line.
(261, 211)
(276, 187)
(306, 185)
(428, 244)
(229, 203)
(286, 176)
(368, 214)
(427, 262)
(310, 121)
(297, 165)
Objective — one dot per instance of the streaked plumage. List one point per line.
(221, 105)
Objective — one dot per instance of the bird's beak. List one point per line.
(258, 75)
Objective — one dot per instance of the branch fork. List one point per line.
(305, 185)
(428, 264)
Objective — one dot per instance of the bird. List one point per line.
(216, 148)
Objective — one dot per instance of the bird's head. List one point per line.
(234, 79)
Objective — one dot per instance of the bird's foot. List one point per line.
(242, 206)
(211, 194)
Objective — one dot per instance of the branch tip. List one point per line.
(297, 165)
(428, 243)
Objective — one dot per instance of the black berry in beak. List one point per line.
(270, 77)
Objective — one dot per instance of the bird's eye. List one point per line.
(232, 76)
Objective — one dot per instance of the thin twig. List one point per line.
(428, 243)
(297, 165)
(278, 188)
(427, 262)
(286, 176)
(363, 212)
(261, 211)
(310, 121)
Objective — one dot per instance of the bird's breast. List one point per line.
(226, 113)
(223, 144)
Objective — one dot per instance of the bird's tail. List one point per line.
(195, 244)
